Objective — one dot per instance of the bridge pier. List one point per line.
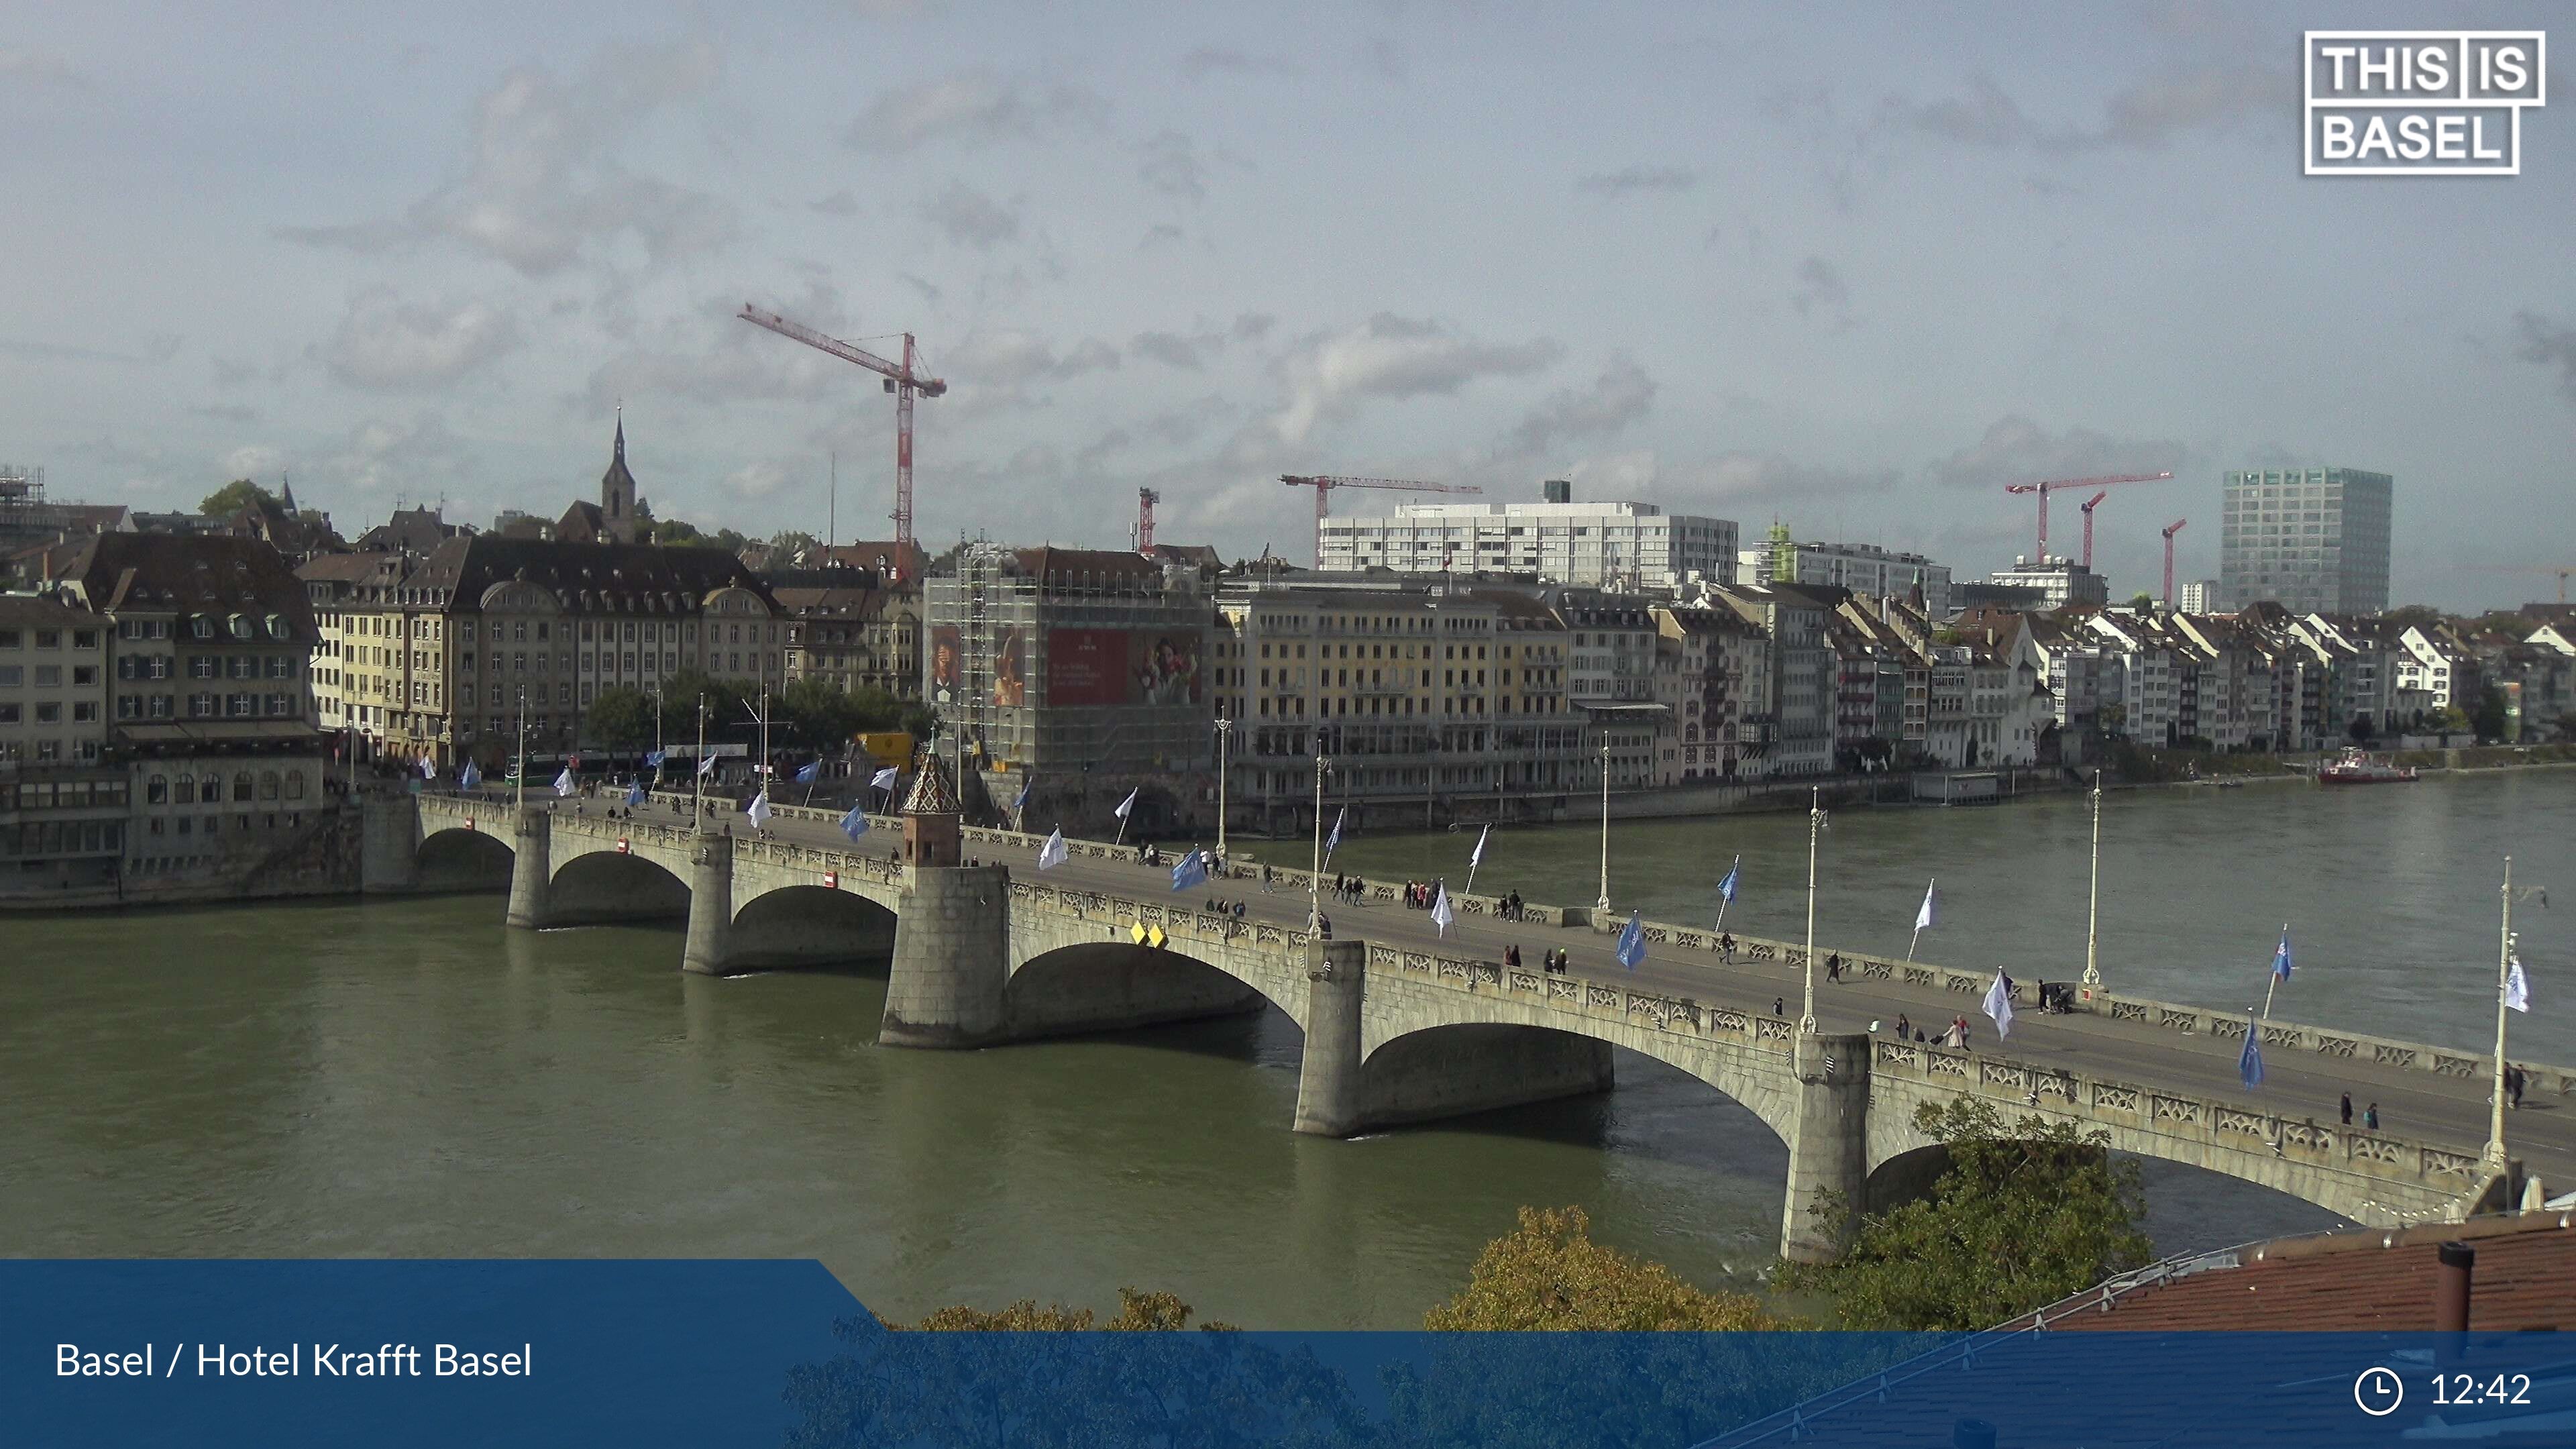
(531, 868)
(710, 904)
(1828, 1147)
(1328, 1074)
(949, 983)
(388, 844)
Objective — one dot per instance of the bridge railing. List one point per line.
(2221, 1026)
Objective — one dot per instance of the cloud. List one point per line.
(20, 64)
(2014, 449)
(1159, 234)
(2212, 95)
(1386, 57)
(1629, 180)
(1621, 395)
(970, 218)
(757, 480)
(233, 413)
(704, 355)
(542, 185)
(421, 459)
(159, 348)
(1208, 60)
(1820, 285)
(1171, 165)
(232, 372)
(1169, 348)
(386, 344)
(1253, 326)
(972, 108)
(839, 203)
(2551, 345)
(1391, 358)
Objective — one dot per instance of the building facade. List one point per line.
(2060, 582)
(1860, 567)
(2312, 540)
(1592, 545)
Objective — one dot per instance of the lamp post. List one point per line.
(1601, 907)
(698, 773)
(1815, 829)
(1224, 739)
(2093, 907)
(2504, 977)
(1315, 876)
(520, 802)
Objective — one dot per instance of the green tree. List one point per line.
(1548, 1274)
(2026, 1214)
(233, 497)
(677, 533)
(620, 718)
(819, 716)
(2490, 716)
(792, 541)
(728, 540)
(2421, 616)
(2142, 601)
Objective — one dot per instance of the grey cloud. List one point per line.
(1208, 60)
(233, 413)
(20, 64)
(839, 203)
(1171, 165)
(161, 347)
(970, 218)
(1629, 180)
(1169, 348)
(232, 372)
(542, 184)
(2550, 344)
(1820, 285)
(1383, 55)
(1621, 395)
(384, 343)
(1391, 357)
(1253, 326)
(1158, 234)
(972, 107)
(703, 355)
(2176, 99)
(2015, 449)
(421, 458)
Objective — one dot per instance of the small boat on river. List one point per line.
(2356, 767)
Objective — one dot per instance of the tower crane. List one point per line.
(2169, 533)
(1325, 484)
(903, 379)
(2052, 485)
(1146, 498)
(2563, 575)
(2089, 505)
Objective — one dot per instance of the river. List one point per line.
(409, 1078)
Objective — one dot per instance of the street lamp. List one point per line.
(2504, 983)
(2093, 908)
(1601, 907)
(1224, 732)
(519, 804)
(1315, 876)
(1815, 829)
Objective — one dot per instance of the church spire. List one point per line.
(619, 447)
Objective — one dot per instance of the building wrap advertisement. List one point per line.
(1121, 667)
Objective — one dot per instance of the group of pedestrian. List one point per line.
(1511, 906)
(1419, 894)
(1349, 889)
(1216, 907)
(2370, 1114)
(1955, 1035)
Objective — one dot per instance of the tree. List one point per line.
(675, 533)
(792, 541)
(621, 718)
(1549, 1274)
(2143, 602)
(2363, 729)
(819, 716)
(2491, 715)
(2419, 616)
(728, 540)
(233, 497)
(2112, 717)
(2026, 1214)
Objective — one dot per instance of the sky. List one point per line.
(1850, 267)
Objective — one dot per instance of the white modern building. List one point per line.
(2062, 581)
(1862, 568)
(2199, 595)
(2313, 539)
(1587, 545)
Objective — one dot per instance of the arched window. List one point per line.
(295, 786)
(210, 791)
(241, 786)
(268, 784)
(156, 791)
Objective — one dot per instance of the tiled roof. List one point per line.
(192, 574)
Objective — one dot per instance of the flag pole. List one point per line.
(2274, 983)
(2495, 1157)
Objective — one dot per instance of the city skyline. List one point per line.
(1732, 265)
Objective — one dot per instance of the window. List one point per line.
(268, 785)
(242, 786)
(211, 790)
(295, 786)
(85, 711)
(49, 674)
(156, 791)
(48, 712)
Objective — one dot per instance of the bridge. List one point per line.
(1404, 1025)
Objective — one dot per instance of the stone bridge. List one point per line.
(1392, 1035)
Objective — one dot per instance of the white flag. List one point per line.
(2517, 989)
(1999, 1006)
(707, 766)
(428, 768)
(1931, 909)
(1053, 853)
(564, 784)
(883, 779)
(1127, 804)
(1441, 915)
(759, 811)
(1477, 857)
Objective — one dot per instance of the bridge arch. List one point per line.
(464, 860)
(1449, 1068)
(808, 925)
(1095, 986)
(608, 887)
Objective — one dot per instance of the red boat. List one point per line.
(2355, 767)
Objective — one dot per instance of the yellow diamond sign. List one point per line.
(1157, 937)
(1136, 932)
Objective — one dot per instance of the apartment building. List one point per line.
(62, 806)
(1608, 545)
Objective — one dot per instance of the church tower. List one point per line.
(617, 491)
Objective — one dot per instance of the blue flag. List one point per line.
(854, 824)
(812, 768)
(1632, 943)
(635, 792)
(1334, 840)
(1027, 784)
(654, 758)
(469, 777)
(1726, 887)
(1191, 871)
(2281, 955)
(2249, 1065)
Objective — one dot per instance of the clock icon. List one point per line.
(2378, 1391)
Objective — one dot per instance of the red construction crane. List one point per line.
(2169, 533)
(2048, 486)
(1324, 486)
(902, 379)
(1146, 498)
(2089, 505)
